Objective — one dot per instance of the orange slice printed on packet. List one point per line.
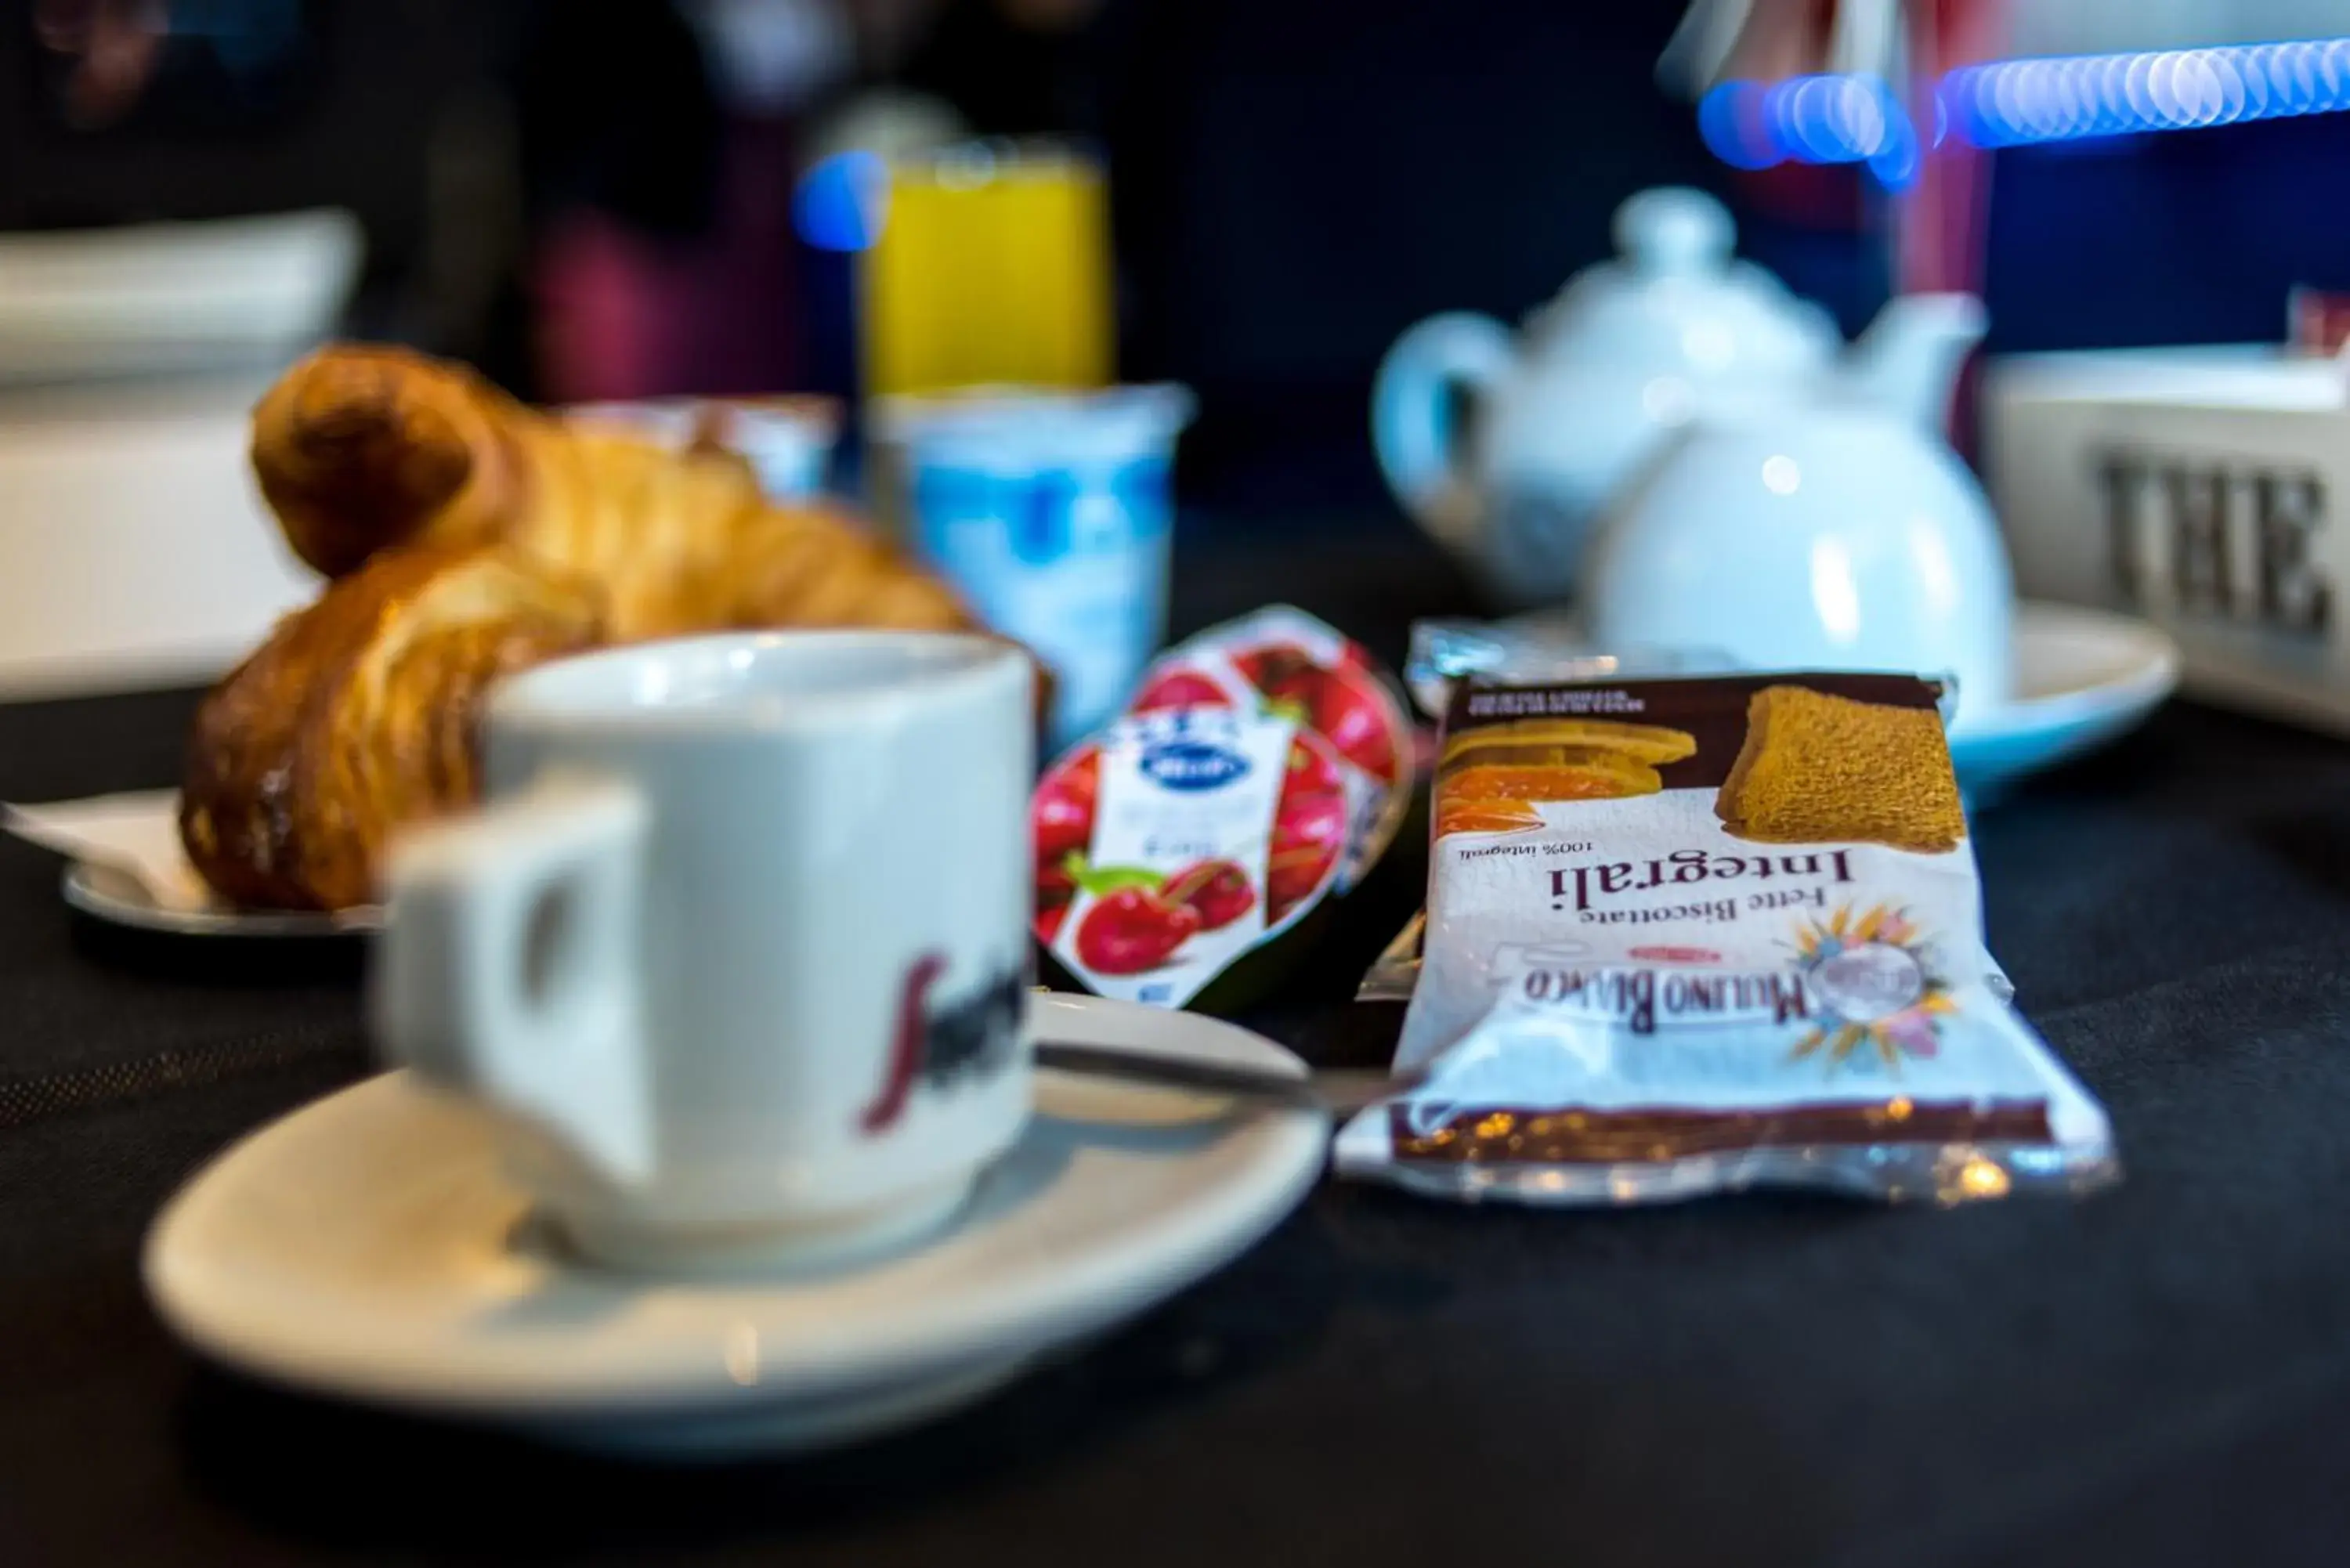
(1493, 785)
(1652, 743)
(1485, 816)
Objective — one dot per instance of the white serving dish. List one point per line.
(156, 298)
(134, 551)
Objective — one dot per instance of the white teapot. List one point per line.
(1629, 351)
(1833, 529)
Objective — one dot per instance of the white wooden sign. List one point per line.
(2217, 506)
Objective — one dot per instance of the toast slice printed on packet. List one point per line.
(1822, 769)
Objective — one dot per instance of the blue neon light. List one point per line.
(838, 203)
(1812, 120)
(2013, 103)
(2016, 102)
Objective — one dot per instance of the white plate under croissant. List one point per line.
(125, 865)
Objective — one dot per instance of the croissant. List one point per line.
(357, 716)
(361, 448)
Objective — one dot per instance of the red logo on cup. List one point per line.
(907, 1049)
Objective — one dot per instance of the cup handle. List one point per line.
(508, 968)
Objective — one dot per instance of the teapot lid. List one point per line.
(1675, 301)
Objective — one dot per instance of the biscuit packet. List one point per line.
(1696, 935)
(1259, 771)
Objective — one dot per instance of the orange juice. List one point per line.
(992, 267)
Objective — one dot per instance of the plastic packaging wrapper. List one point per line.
(1260, 769)
(1395, 973)
(1541, 647)
(1687, 936)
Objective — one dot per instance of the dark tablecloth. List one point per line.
(2159, 1375)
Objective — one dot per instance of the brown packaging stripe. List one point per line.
(1709, 711)
(1490, 1136)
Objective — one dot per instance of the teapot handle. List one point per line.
(1413, 423)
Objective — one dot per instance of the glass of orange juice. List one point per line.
(992, 267)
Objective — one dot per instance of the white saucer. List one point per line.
(2083, 677)
(369, 1246)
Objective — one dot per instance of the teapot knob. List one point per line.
(1674, 231)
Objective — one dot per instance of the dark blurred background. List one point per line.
(593, 197)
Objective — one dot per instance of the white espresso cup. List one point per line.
(737, 952)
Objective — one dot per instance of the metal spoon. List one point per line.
(1341, 1091)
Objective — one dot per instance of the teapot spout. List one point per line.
(1907, 363)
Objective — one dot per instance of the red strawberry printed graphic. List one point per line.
(1342, 703)
(1178, 688)
(1132, 930)
(1062, 815)
(1309, 832)
(1217, 891)
(1355, 717)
